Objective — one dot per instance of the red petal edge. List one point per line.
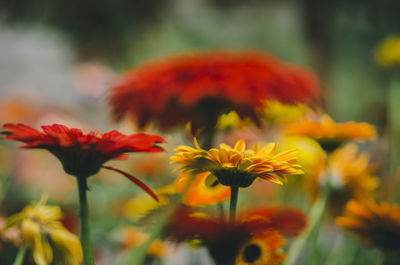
(136, 181)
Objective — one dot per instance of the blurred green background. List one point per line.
(335, 38)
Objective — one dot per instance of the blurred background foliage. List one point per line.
(336, 38)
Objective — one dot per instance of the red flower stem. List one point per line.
(84, 221)
(233, 204)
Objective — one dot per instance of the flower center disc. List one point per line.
(251, 253)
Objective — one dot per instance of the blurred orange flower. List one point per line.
(376, 225)
(16, 111)
(203, 190)
(329, 133)
(350, 176)
(265, 248)
(199, 87)
(132, 237)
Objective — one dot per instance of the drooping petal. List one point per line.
(135, 180)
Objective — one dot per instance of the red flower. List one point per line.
(223, 238)
(200, 87)
(288, 221)
(82, 155)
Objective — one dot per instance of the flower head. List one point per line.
(377, 225)
(350, 176)
(43, 233)
(224, 240)
(387, 53)
(264, 248)
(82, 155)
(199, 87)
(231, 120)
(329, 133)
(238, 166)
(282, 113)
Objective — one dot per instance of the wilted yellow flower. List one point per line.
(387, 53)
(202, 189)
(376, 225)
(238, 166)
(43, 233)
(329, 133)
(350, 176)
(264, 248)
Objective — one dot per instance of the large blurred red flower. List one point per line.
(82, 155)
(199, 87)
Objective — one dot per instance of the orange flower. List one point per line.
(350, 176)
(265, 248)
(199, 87)
(376, 225)
(329, 133)
(82, 155)
(132, 237)
(238, 166)
(204, 189)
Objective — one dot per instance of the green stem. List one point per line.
(233, 204)
(318, 224)
(343, 252)
(221, 210)
(84, 221)
(380, 260)
(393, 129)
(19, 259)
(315, 222)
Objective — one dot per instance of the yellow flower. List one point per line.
(43, 233)
(350, 176)
(203, 190)
(329, 133)
(231, 120)
(387, 53)
(264, 248)
(311, 155)
(376, 225)
(238, 166)
(283, 113)
(142, 204)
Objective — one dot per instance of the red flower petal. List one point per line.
(136, 181)
(82, 154)
(177, 90)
